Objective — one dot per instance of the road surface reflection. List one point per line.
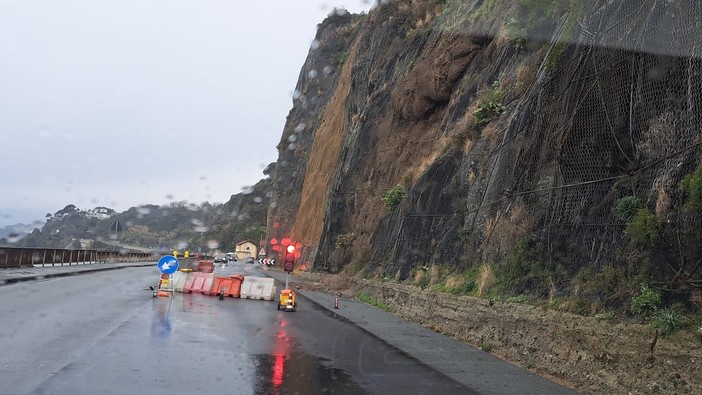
(288, 370)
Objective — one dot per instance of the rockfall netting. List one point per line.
(614, 111)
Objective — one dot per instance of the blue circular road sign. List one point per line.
(168, 264)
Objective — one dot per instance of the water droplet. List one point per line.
(182, 245)
(296, 94)
(212, 244)
(14, 237)
(327, 70)
(247, 190)
(300, 127)
(312, 74)
(314, 45)
(292, 138)
(258, 199)
(274, 204)
(292, 146)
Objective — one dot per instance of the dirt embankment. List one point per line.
(325, 154)
(595, 357)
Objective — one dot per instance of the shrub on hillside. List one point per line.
(393, 197)
(646, 302)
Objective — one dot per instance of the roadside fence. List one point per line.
(13, 257)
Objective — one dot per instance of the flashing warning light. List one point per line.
(289, 262)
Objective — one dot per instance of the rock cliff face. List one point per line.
(556, 132)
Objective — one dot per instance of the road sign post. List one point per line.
(168, 265)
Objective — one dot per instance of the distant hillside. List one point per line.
(16, 231)
(177, 225)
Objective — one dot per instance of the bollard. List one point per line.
(336, 302)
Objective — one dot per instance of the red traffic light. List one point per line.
(289, 264)
(289, 259)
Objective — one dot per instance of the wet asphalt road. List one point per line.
(104, 333)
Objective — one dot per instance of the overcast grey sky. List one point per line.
(120, 103)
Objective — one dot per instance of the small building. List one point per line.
(245, 249)
(86, 243)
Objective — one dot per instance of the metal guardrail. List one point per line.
(12, 257)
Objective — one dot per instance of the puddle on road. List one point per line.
(161, 324)
(300, 373)
(180, 302)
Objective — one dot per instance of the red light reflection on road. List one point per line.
(278, 371)
(280, 351)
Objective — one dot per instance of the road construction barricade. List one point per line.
(258, 288)
(206, 288)
(199, 282)
(228, 286)
(190, 280)
(179, 279)
(206, 266)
